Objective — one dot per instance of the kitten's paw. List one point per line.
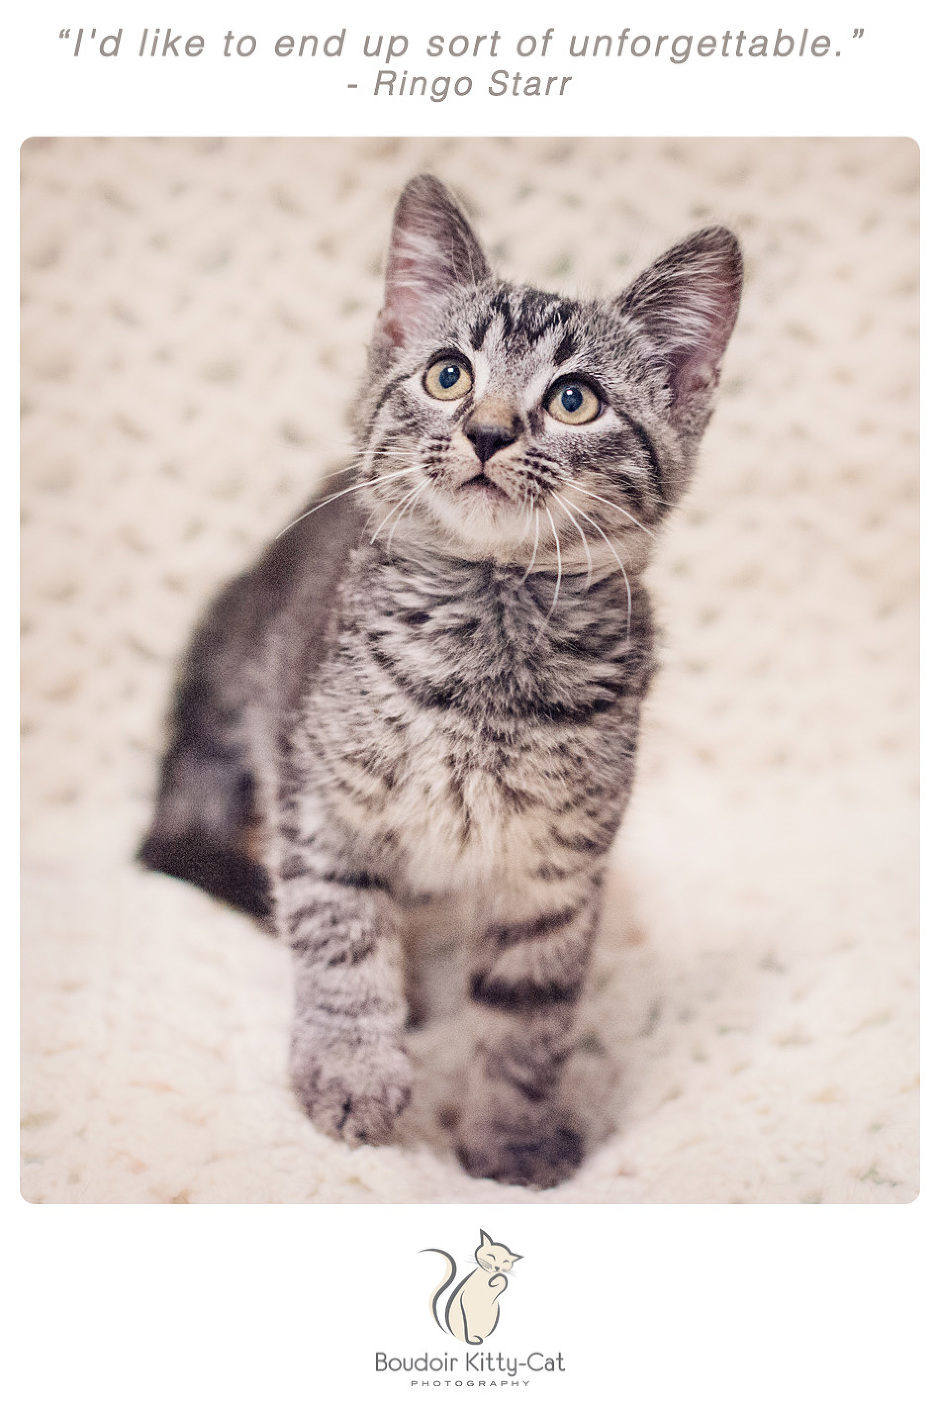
(540, 1160)
(348, 1101)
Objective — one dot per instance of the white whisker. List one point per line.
(409, 498)
(334, 473)
(388, 452)
(535, 544)
(587, 550)
(623, 570)
(609, 504)
(391, 513)
(369, 483)
(558, 578)
(366, 455)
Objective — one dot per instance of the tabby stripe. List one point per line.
(583, 844)
(445, 699)
(353, 956)
(518, 801)
(656, 468)
(536, 1085)
(365, 798)
(500, 308)
(363, 1005)
(504, 936)
(553, 873)
(535, 319)
(312, 945)
(521, 996)
(566, 348)
(361, 879)
(393, 385)
(295, 867)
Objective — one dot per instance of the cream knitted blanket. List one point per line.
(195, 316)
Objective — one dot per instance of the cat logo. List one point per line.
(471, 1311)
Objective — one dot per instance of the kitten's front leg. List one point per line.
(525, 985)
(347, 1060)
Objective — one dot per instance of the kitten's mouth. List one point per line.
(480, 484)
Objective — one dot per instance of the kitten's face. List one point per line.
(508, 424)
(518, 421)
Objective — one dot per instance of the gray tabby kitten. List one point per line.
(428, 689)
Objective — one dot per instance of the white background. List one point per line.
(647, 1304)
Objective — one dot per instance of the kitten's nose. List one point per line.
(490, 428)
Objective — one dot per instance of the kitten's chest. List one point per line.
(466, 806)
(472, 734)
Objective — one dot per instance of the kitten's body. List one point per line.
(426, 689)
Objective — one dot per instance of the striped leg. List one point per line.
(524, 988)
(347, 1062)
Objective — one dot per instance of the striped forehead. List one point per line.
(524, 324)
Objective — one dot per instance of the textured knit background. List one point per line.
(195, 316)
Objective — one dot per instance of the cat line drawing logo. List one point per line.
(471, 1312)
(468, 1309)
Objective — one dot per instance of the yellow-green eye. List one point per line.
(573, 403)
(447, 379)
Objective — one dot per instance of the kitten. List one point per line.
(429, 687)
(471, 1313)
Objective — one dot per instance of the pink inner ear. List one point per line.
(415, 284)
(697, 326)
(433, 252)
(694, 367)
(688, 302)
(400, 315)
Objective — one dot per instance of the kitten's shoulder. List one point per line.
(310, 554)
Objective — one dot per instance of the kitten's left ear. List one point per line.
(687, 303)
(484, 1238)
(432, 253)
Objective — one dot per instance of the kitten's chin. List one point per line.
(481, 523)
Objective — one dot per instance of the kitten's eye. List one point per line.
(447, 380)
(573, 403)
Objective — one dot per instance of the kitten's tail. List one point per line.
(443, 1286)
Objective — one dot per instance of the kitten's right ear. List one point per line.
(433, 252)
